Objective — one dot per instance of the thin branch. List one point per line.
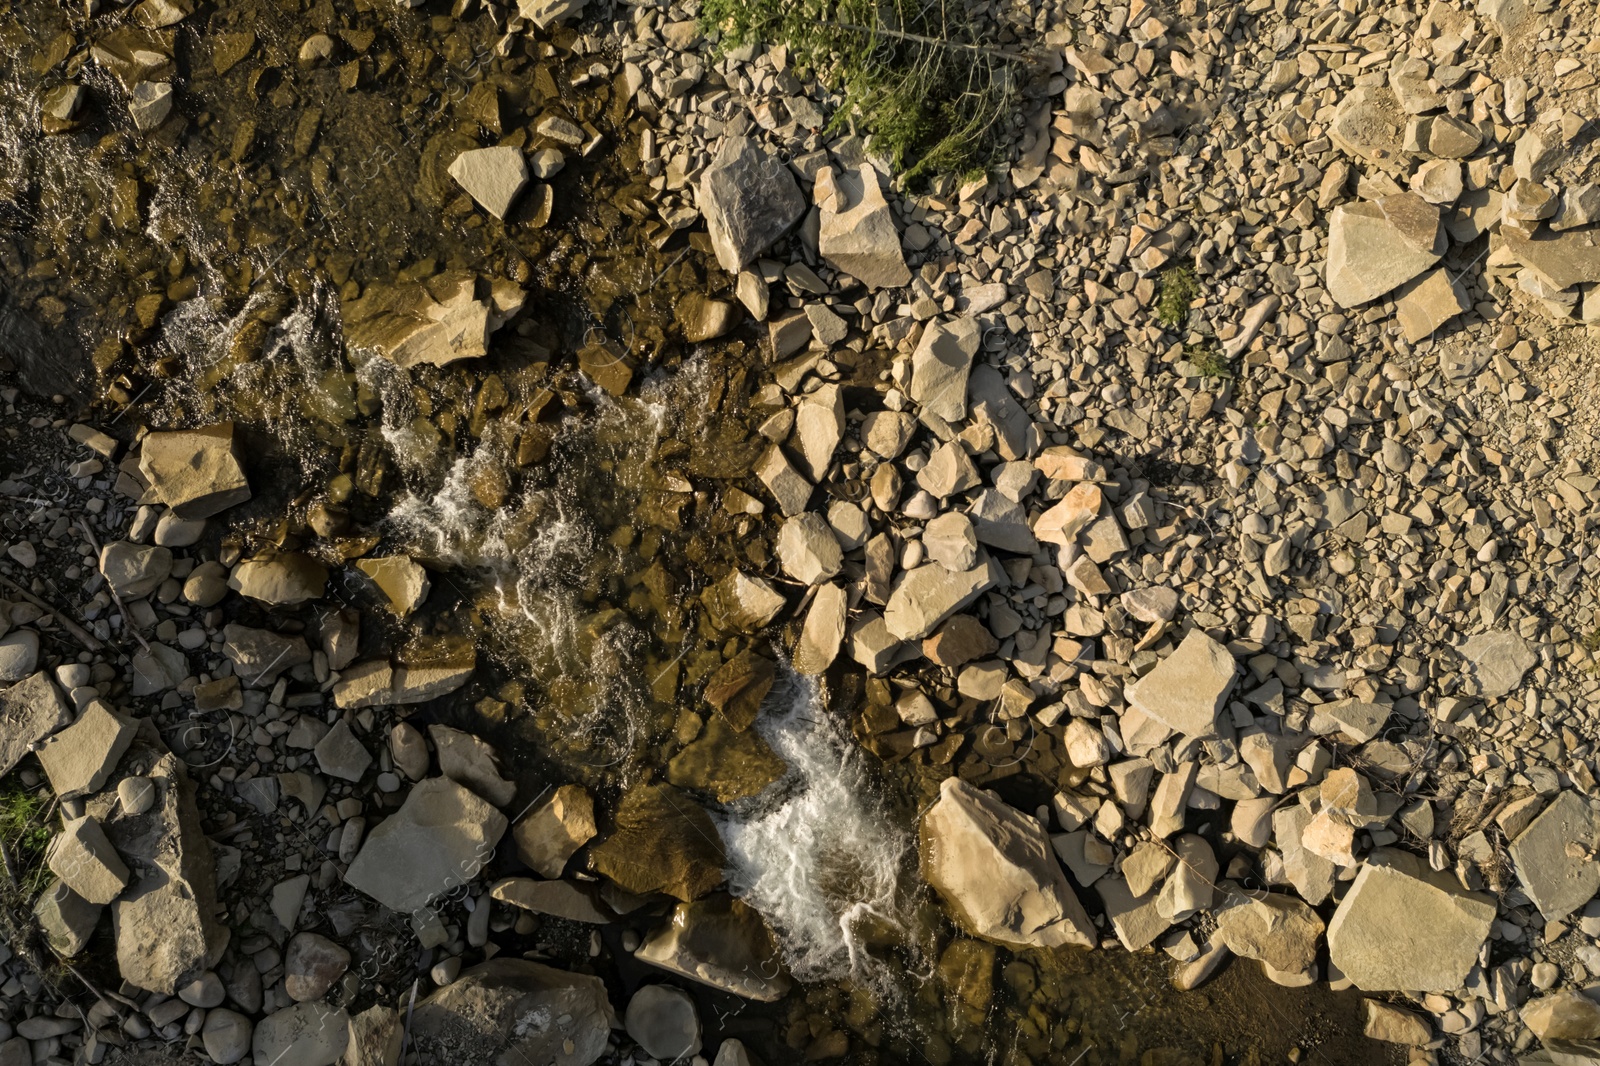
(83, 636)
(934, 42)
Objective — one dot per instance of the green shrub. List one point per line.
(914, 75)
(1178, 290)
(1208, 362)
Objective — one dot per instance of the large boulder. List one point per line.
(1403, 927)
(997, 873)
(439, 839)
(1274, 927)
(722, 942)
(511, 1012)
(857, 232)
(749, 200)
(306, 1034)
(195, 472)
(165, 920)
(926, 596)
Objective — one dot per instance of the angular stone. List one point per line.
(1452, 138)
(739, 686)
(469, 761)
(1135, 919)
(438, 839)
(749, 200)
(514, 1012)
(808, 550)
(995, 870)
(1188, 688)
(727, 763)
(818, 428)
(949, 470)
(788, 486)
(941, 364)
(1496, 662)
(926, 596)
(306, 1034)
(1402, 926)
(403, 582)
(66, 918)
(80, 757)
(1353, 718)
(721, 942)
(311, 964)
(1370, 123)
(1279, 930)
(1425, 304)
(1375, 247)
(259, 655)
(376, 1038)
(442, 320)
(134, 570)
(1564, 259)
(664, 842)
(857, 232)
(195, 472)
(1002, 523)
(30, 711)
(561, 899)
(86, 862)
(491, 176)
(1069, 516)
(339, 754)
(554, 829)
(1554, 856)
(951, 540)
(281, 580)
(1395, 1025)
(823, 631)
(742, 603)
(1564, 1015)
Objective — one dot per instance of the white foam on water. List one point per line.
(817, 853)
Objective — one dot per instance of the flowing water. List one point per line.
(203, 271)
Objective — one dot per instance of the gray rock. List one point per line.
(721, 942)
(306, 1034)
(941, 364)
(19, 655)
(663, 1021)
(259, 655)
(466, 760)
(492, 176)
(340, 754)
(995, 870)
(438, 839)
(1554, 856)
(749, 200)
(82, 856)
(311, 964)
(926, 596)
(79, 758)
(29, 711)
(1375, 247)
(1496, 662)
(134, 570)
(1397, 900)
(66, 918)
(149, 104)
(574, 901)
(226, 1035)
(1187, 688)
(481, 1017)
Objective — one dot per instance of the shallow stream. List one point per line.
(204, 270)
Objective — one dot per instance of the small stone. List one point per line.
(663, 1021)
(311, 964)
(226, 1035)
(149, 104)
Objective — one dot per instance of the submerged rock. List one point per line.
(435, 322)
(725, 762)
(722, 942)
(994, 867)
(513, 1011)
(664, 842)
(663, 1021)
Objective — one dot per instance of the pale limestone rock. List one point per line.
(491, 176)
(439, 839)
(994, 867)
(195, 472)
(749, 200)
(857, 232)
(1187, 688)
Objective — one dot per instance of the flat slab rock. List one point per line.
(1496, 662)
(438, 839)
(1374, 247)
(513, 1011)
(1403, 927)
(1187, 688)
(995, 869)
(1553, 856)
(30, 710)
(749, 200)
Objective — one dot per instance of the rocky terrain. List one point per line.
(1189, 517)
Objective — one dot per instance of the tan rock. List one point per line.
(491, 176)
(554, 829)
(403, 582)
(995, 870)
(438, 839)
(721, 942)
(1188, 688)
(195, 472)
(1375, 247)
